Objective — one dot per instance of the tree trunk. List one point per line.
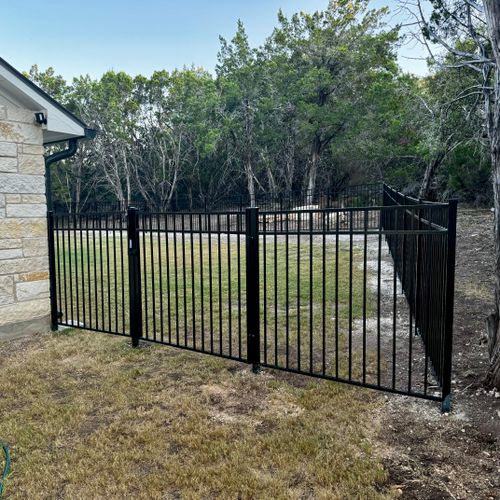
(127, 177)
(492, 112)
(271, 181)
(248, 151)
(290, 159)
(78, 187)
(430, 173)
(313, 170)
(129, 187)
(493, 321)
(250, 182)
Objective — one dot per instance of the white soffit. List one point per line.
(61, 124)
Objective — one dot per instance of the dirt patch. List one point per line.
(430, 455)
(392, 321)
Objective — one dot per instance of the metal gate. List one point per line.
(360, 294)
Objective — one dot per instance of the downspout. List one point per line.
(49, 160)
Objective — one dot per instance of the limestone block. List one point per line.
(36, 276)
(31, 149)
(34, 247)
(8, 130)
(13, 198)
(23, 228)
(19, 183)
(26, 210)
(8, 149)
(3, 112)
(6, 290)
(10, 243)
(13, 313)
(31, 164)
(30, 290)
(33, 198)
(23, 115)
(23, 265)
(20, 132)
(8, 164)
(11, 253)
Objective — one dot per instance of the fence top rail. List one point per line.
(368, 208)
(373, 232)
(416, 201)
(190, 213)
(89, 215)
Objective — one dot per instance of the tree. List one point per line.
(238, 79)
(450, 118)
(478, 23)
(195, 105)
(385, 141)
(335, 55)
(320, 103)
(55, 85)
(72, 179)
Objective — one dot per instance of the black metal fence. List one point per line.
(424, 259)
(360, 294)
(361, 195)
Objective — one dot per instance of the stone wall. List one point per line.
(24, 284)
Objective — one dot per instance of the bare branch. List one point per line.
(474, 59)
(475, 5)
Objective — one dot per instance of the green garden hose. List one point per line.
(5, 449)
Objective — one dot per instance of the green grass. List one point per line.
(87, 416)
(196, 296)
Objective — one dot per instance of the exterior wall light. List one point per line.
(40, 118)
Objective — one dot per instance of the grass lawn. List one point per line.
(87, 416)
(193, 290)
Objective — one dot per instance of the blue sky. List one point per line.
(142, 35)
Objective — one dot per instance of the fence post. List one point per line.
(281, 210)
(382, 212)
(419, 274)
(403, 252)
(134, 275)
(252, 286)
(450, 294)
(54, 315)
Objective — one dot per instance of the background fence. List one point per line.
(360, 294)
(362, 195)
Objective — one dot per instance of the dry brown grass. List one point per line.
(89, 417)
